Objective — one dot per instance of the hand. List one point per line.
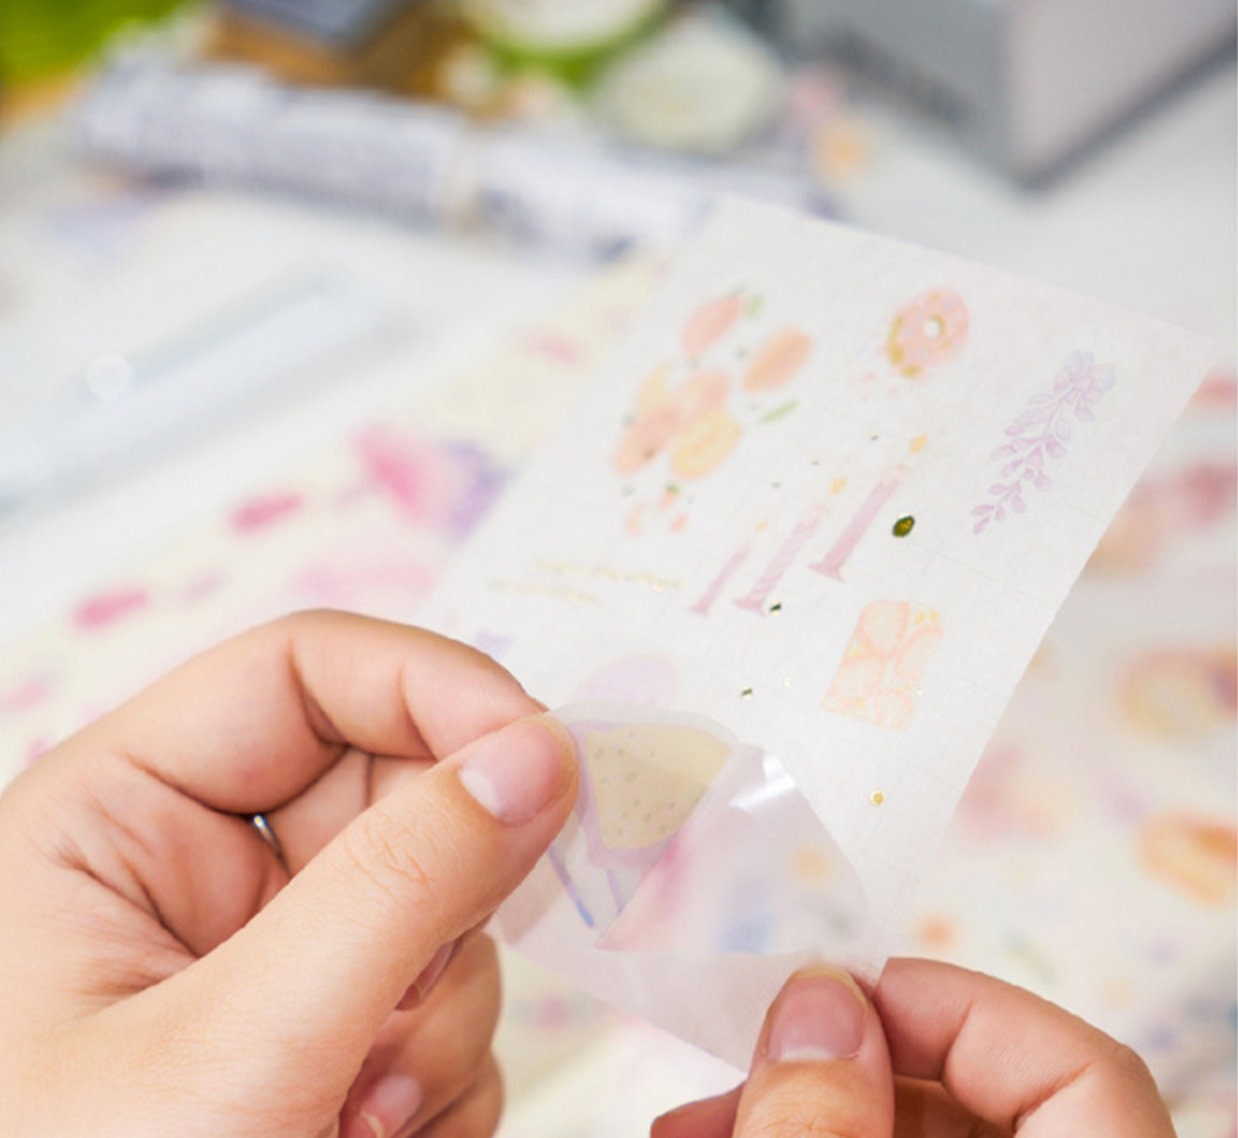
(961, 1056)
(166, 972)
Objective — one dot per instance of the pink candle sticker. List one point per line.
(730, 567)
(831, 565)
(767, 582)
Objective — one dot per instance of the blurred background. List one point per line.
(289, 289)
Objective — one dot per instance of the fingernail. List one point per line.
(518, 772)
(820, 1015)
(388, 1107)
(422, 986)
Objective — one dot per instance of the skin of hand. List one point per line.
(935, 1052)
(165, 972)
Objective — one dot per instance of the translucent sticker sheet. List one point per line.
(811, 522)
(684, 839)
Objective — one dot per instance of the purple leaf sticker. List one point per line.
(1042, 431)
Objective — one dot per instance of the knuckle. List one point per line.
(477, 1112)
(455, 1083)
(491, 1096)
(478, 980)
(395, 861)
(450, 1042)
(485, 954)
(291, 624)
(468, 1020)
(1124, 1066)
(457, 1060)
(805, 1115)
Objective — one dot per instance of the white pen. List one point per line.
(253, 351)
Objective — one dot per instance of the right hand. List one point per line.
(938, 1052)
(166, 970)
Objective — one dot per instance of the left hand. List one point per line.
(937, 1052)
(166, 972)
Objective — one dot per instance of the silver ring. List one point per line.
(260, 823)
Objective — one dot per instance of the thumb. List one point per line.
(821, 1068)
(313, 976)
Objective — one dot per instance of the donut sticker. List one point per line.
(879, 678)
(927, 332)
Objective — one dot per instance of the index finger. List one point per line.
(248, 725)
(1013, 1059)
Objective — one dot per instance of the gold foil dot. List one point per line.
(877, 797)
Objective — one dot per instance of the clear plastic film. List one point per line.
(688, 854)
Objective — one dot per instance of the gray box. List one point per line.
(1026, 83)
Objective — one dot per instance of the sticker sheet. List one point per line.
(828, 498)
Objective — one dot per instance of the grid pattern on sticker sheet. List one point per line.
(830, 494)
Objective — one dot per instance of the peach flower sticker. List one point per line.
(777, 360)
(705, 445)
(702, 394)
(889, 652)
(683, 408)
(709, 323)
(663, 416)
(645, 439)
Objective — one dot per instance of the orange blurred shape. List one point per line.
(1181, 692)
(1195, 856)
